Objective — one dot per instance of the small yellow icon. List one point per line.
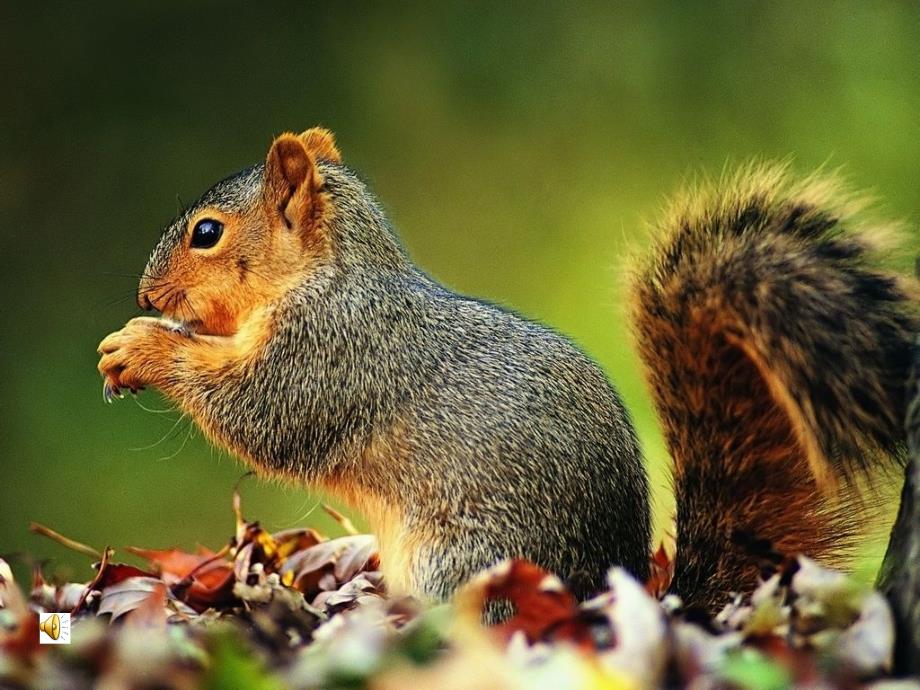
(52, 626)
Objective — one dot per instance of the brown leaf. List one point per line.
(329, 564)
(116, 572)
(367, 584)
(543, 608)
(292, 540)
(661, 572)
(209, 587)
(201, 580)
(360, 554)
(254, 545)
(152, 612)
(173, 564)
(128, 595)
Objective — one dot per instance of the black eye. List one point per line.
(206, 233)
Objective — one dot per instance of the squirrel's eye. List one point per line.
(206, 233)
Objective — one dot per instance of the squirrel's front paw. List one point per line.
(140, 354)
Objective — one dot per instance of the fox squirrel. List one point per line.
(299, 334)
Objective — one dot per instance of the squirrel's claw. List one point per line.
(110, 391)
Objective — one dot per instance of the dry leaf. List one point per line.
(129, 594)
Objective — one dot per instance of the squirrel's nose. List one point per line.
(143, 301)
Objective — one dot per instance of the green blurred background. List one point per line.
(518, 148)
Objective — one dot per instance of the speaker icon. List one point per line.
(54, 628)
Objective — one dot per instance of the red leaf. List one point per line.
(173, 564)
(116, 572)
(203, 580)
(209, 587)
(23, 643)
(544, 608)
(660, 573)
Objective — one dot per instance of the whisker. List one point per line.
(175, 300)
(182, 309)
(132, 294)
(188, 305)
(167, 435)
(120, 275)
(165, 296)
(136, 276)
(141, 405)
(112, 302)
(188, 435)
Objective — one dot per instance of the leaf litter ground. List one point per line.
(293, 609)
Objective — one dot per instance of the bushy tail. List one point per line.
(778, 360)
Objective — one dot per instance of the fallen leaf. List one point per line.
(116, 572)
(151, 612)
(641, 646)
(543, 608)
(127, 595)
(362, 585)
(867, 646)
(328, 564)
(661, 572)
(172, 564)
(212, 586)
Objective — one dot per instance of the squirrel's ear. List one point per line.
(321, 143)
(292, 183)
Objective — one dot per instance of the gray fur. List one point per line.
(518, 444)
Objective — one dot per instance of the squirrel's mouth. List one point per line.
(178, 313)
(185, 327)
(191, 326)
(177, 326)
(195, 327)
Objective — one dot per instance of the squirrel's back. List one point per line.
(540, 445)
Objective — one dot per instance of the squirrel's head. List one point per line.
(247, 240)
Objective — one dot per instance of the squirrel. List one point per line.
(297, 332)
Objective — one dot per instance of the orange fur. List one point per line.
(224, 294)
(321, 143)
(777, 354)
(293, 187)
(257, 260)
(371, 495)
(140, 354)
